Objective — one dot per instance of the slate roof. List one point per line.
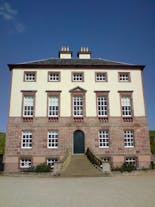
(57, 62)
(92, 61)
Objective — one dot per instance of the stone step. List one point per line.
(80, 166)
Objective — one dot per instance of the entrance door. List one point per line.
(78, 142)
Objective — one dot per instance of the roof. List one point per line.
(65, 63)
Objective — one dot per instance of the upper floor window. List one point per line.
(29, 76)
(79, 77)
(126, 106)
(102, 106)
(54, 76)
(26, 141)
(103, 136)
(124, 77)
(28, 106)
(53, 106)
(101, 77)
(77, 106)
(128, 138)
(52, 140)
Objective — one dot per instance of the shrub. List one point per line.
(125, 168)
(43, 167)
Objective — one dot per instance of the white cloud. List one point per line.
(10, 15)
(7, 12)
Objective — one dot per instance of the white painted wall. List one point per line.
(89, 84)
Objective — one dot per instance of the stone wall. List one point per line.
(66, 127)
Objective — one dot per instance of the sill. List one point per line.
(103, 119)
(26, 147)
(78, 119)
(128, 146)
(128, 119)
(103, 147)
(28, 119)
(52, 147)
(53, 119)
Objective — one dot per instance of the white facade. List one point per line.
(41, 85)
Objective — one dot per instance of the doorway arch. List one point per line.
(78, 142)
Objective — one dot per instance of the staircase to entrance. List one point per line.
(80, 166)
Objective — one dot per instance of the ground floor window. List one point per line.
(106, 159)
(25, 163)
(130, 161)
(51, 161)
(103, 136)
(52, 141)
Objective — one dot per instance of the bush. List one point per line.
(43, 167)
(125, 168)
(2, 143)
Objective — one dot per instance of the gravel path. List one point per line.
(116, 191)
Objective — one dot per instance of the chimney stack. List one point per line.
(84, 53)
(65, 53)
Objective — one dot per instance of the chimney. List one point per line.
(65, 53)
(84, 53)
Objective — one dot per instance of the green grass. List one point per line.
(2, 143)
(152, 141)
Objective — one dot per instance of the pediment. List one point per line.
(77, 90)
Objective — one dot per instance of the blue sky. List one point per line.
(120, 30)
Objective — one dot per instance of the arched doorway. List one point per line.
(78, 142)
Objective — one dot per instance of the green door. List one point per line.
(78, 142)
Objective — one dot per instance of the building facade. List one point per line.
(69, 104)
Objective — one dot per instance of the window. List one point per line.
(26, 139)
(102, 106)
(28, 106)
(79, 77)
(51, 161)
(126, 106)
(130, 161)
(25, 163)
(128, 138)
(53, 106)
(124, 77)
(103, 136)
(29, 76)
(77, 106)
(52, 141)
(101, 77)
(54, 76)
(106, 159)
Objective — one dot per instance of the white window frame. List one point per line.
(78, 102)
(77, 77)
(101, 77)
(124, 77)
(53, 106)
(26, 140)
(126, 106)
(128, 138)
(29, 76)
(52, 139)
(51, 161)
(25, 163)
(130, 161)
(54, 77)
(103, 137)
(102, 106)
(28, 106)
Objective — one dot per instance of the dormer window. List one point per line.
(29, 76)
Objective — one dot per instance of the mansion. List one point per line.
(69, 104)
